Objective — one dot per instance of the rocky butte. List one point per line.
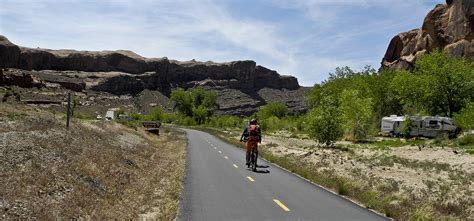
(448, 26)
(242, 86)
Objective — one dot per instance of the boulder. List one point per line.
(449, 27)
(10, 77)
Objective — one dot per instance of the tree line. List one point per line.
(350, 104)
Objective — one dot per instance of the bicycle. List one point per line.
(253, 159)
(253, 156)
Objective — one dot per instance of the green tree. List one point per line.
(276, 109)
(439, 84)
(324, 122)
(343, 78)
(465, 118)
(182, 101)
(384, 98)
(156, 114)
(200, 114)
(356, 114)
(195, 103)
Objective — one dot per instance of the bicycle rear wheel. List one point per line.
(254, 160)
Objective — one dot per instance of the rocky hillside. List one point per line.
(124, 73)
(448, 26)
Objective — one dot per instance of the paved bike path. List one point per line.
(218, 186)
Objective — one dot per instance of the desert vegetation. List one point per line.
(94, 170)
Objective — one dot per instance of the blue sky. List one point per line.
(304, 38)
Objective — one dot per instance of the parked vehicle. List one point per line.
(424, 126)
(110, 115)
(99, 117)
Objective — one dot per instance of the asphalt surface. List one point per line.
(218, 186)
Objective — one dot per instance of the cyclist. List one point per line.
(252, 136)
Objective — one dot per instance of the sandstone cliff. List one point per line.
(448, 26)
(242, 86)
(144, 73)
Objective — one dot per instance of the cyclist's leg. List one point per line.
(248, 148)
(256, 149)
(254, 156)
(256, 153)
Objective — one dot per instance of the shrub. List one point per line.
(324, 122)
(465, 118)
(83, 116)
(225, 121)
(197, 103)
(185, 120)
(271, 109)
(156, 114)
(342, 189)
(465, 140)
(356, 114)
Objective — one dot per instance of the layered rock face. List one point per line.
(448, 26)
(144, 73)
(242, 86)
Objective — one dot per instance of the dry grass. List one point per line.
(96, 170)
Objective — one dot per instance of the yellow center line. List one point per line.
(281, 205)
(251, 179)
(226, 157)
(235, 166)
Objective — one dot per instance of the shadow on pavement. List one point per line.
(262, 171)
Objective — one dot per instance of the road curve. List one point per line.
(218, 186)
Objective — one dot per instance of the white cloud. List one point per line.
(208, 30)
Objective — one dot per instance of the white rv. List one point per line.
(424, 126)
(392, 125)
(110, 115)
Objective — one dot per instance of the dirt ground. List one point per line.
(94, 170)
(442, 178)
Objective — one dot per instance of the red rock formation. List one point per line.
(448, 26)
(19, 78)
(168, 73)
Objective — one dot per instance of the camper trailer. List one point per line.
(391, 126)
(424, 126)
(110, 115)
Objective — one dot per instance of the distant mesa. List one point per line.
(165, 73)
(242, 86)
(448, 26)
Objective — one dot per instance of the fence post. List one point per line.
(68, 113)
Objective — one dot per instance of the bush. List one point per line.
(357, 114)
(342, 189)
(465, 140)
(82, 116)
(197, 103)
(324, 122)
(136, 117)
(185, 120)
(225, 121)
(271, 109)
(156, 114)
(465, 118)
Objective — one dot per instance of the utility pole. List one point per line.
(68, 113)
